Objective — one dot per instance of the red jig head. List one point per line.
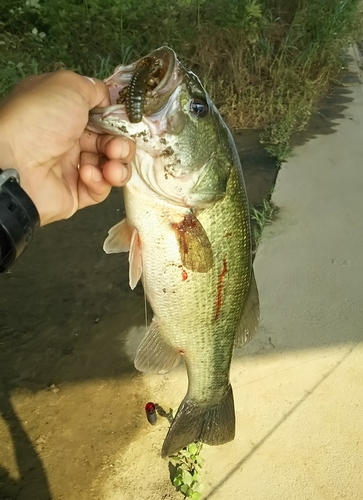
(151, 413)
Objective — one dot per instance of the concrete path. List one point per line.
(299, 384)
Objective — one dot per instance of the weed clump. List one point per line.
(188, 465)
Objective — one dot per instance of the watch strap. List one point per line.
(19, 218)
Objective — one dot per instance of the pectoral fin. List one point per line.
(135, 260)
(119, 238)
(250, 315)
(194, 246)
(122, 238)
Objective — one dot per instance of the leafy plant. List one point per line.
(262, 217)
(188, 464)
(264, 62)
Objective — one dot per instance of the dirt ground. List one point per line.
(71, 402)
(70, 397)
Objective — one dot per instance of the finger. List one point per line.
(95, 92)
(114, 147)
(116, 173)
(93, 187)
(117, 148)
(90, 159)
(91, 90)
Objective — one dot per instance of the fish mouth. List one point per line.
(144, 87)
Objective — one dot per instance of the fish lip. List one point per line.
(123, 74)
(158, 98)
(169, 59)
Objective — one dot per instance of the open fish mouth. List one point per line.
(143, 87)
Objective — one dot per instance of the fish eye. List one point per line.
(198, 107)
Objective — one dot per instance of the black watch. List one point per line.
(18, 218)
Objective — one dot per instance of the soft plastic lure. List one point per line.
(143, 81)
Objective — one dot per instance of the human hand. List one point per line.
(62, 166)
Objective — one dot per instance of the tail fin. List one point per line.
(212, 425)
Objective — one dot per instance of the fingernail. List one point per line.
(124, 173)
(90, 79)
(125, 150)
(97, 175)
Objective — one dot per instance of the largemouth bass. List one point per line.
(187, 230)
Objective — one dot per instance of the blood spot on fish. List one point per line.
(220, 289)
(228, 234)
(184, 275)
(181, 351)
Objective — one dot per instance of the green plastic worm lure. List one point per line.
(144, 80)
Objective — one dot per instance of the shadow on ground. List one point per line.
(65, 308)
(330, 109)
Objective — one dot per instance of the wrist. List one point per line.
(18, 219)
(10, 166)
(11, 158)
(12, 154)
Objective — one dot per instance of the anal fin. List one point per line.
(154, 354)
(250, 315)
(213, 425)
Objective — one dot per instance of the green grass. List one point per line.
(264, 62)
(261, 217)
